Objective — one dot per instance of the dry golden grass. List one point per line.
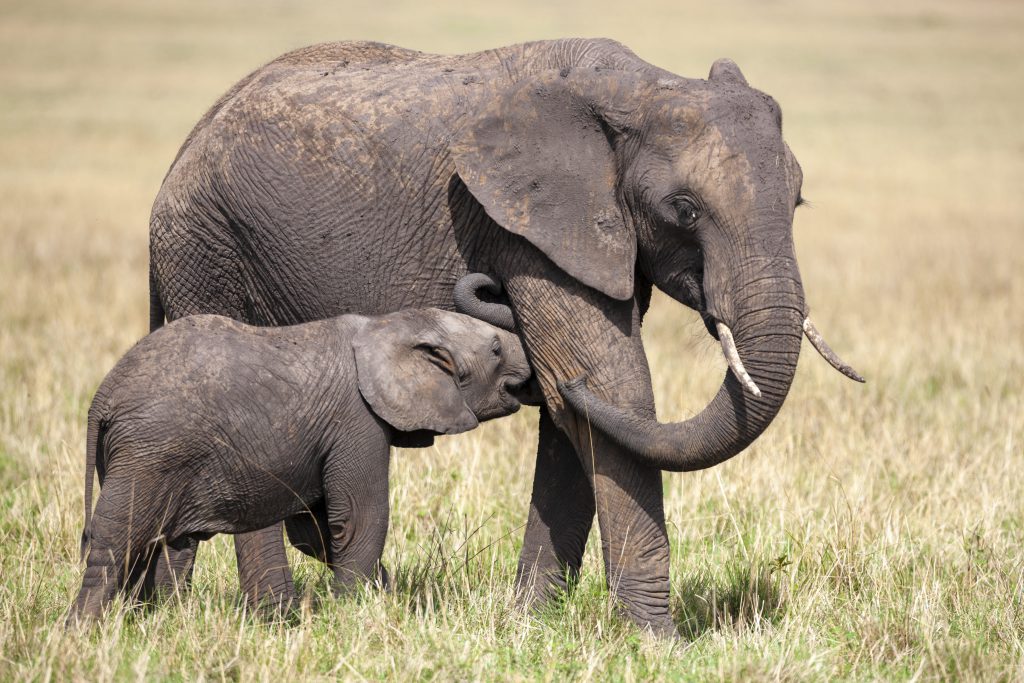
(874, 532)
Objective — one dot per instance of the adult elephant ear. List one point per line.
(540, 160)
(726, 70)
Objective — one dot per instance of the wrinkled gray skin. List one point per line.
(211, 426)
(360, 177)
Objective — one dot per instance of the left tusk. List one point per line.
(822, 347)
(733, 357)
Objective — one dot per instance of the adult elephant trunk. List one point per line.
(762, 347)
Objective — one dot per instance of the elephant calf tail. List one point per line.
(93, 442)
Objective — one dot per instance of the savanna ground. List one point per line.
(874, 532)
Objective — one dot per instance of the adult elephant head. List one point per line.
(615, 174)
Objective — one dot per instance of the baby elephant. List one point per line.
(211, 426)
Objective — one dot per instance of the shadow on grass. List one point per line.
(747, 595)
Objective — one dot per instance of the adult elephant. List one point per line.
(361, 177)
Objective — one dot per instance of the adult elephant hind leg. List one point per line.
(191, 277)
(192, 267)
(263, 571)
(560, 517)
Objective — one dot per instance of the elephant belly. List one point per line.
(247, 497)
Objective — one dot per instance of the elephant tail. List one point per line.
(93, 443)
(156, 307)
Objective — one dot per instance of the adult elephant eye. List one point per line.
(688, 214)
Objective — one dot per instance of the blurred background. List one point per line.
(891, 511)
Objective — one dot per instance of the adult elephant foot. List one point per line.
(263, 572)
(561, 514)
(642, 595)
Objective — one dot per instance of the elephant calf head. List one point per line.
(427, 369)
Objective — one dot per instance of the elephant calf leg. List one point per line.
(104, 576)
(170, 570)
(357, 545)
(119, 551)
(310, 533)
(357, 517)
(263, 571)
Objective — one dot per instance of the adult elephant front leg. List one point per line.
(561, 513)
(572, 330)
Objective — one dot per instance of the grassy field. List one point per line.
(874, 532)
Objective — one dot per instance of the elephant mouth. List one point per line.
(527, 392)
(506, 404)
(509, 403)
(709, 323)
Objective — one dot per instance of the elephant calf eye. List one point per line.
(441, 358)
(496, 347)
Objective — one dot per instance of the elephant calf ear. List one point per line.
(399, 380)
(540, 161)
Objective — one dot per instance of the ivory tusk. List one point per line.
(822, 347)
(733, 357)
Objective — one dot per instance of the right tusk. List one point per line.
(822, 347)
(733, 357)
